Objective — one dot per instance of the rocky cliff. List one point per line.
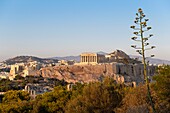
(74, 73)
(89, 73)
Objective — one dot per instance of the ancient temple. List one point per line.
(92, 58)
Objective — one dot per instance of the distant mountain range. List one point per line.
(24, 59)
(152, 60)
(102, 53)
(76, 58)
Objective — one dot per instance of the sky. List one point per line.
(49, 28)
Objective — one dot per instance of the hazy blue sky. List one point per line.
(47, 28)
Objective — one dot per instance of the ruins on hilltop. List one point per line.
(92, 58)
(94, 67)
(116, 56)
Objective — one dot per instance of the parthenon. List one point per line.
(91, 58)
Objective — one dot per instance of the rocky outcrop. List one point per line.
(74, 73)
(89, 73)
(119, 54)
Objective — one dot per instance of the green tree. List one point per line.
(15, 96)
(77, 89)
(135, 101)
(5, 85)
(19, 77)
(162, 85)
(52, 102)
(95, 98)
(16, 102)
(16, 107)
(162, 89)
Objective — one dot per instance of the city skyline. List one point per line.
(62, 28)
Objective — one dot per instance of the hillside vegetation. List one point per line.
(96, 97)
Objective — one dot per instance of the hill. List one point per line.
(25, 59)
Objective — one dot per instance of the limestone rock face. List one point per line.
(120, 54)
(90, 73)
(74, 74)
